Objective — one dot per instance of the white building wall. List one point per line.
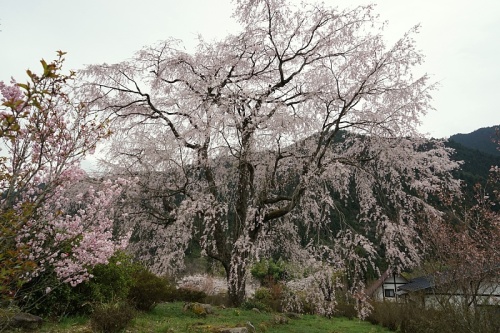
(388, 290)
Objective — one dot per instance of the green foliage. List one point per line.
(262, 294)
(267, 298)
(184, 295)
(114, 280)
(111, 317)
(119, 280)
(412, 318)
(260, 300)
(269, 271)
(252, 304)
(47, 296)
(148, 290)
(347, 310)
(13, 262)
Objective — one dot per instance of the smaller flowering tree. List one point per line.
(464, 250)
(72, 232)
(51, 217)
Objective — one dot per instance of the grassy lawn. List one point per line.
(170, 318)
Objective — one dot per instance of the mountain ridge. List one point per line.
(484, 139)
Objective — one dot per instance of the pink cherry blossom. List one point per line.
(65, 218)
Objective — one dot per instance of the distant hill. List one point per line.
(476, 163)
(481, 139)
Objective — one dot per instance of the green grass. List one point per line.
(170, 318)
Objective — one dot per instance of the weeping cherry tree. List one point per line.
(253, 135)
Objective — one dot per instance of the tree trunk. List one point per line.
(236, 278)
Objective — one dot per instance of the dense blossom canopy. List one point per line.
(251, 144)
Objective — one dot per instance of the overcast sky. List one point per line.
(460, 38)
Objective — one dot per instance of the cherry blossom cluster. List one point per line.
(10, 92)
(72, 232)
(63, 219)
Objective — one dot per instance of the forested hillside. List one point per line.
(482, 139)
(476, 164)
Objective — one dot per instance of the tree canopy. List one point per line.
(241, 142)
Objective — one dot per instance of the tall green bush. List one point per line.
(46, 296)
(269, 271)
(110, 282)
(114, 280)
(148, 290)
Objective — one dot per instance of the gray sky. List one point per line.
(461, 41)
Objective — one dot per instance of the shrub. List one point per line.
(113, 280)
(387, 314)
(252, 303)
(46, 296)
(111, 317)
(148, 290)
(262, 294)
(348, 310)
(412, 318)
(266, 299)
(269, 271)
(185, 295)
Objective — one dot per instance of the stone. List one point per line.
(199, 309)
(250, 327)
(234, 330)
(26, 321)
(280, 319)
(293, 315)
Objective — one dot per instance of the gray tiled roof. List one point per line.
(420, 283)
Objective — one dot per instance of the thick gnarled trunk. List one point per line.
(236, 277)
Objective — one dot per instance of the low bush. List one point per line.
(185, 295)
(412, 318)
(269, 271)
(266, 299)
(387, 314)
(46, 296)
(111, 317)
(252, 303)
(348, 310)
(148, 290)
(113, 280)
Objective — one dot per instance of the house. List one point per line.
(448, 288)
(386, 287)
(440, 289)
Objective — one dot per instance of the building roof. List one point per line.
(428, 282)
(371, 289)
(380, 281)
(419, 283)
